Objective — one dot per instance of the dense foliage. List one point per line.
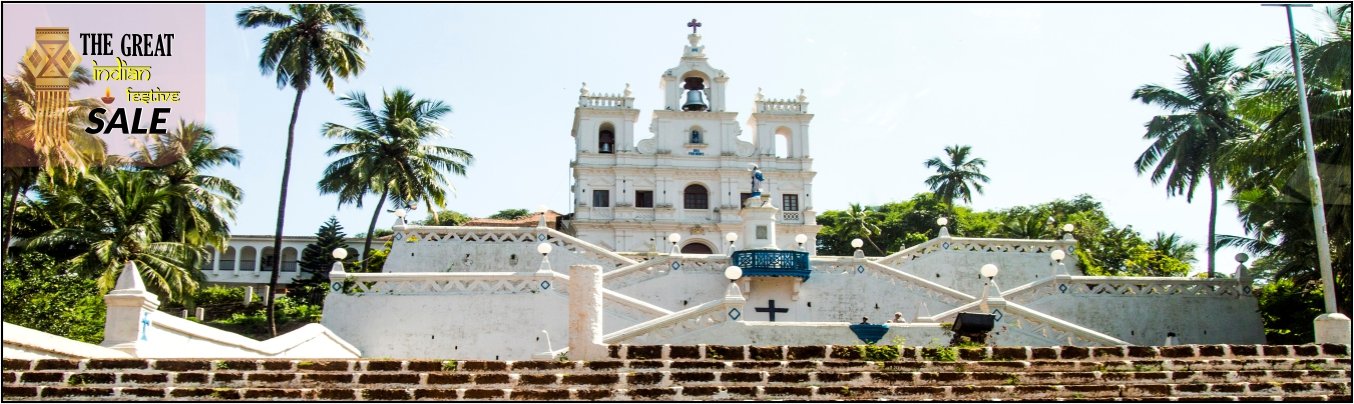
(317, 259)
(46, 295)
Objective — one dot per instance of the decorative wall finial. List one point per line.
(802, 97)
(759, 95)
(627, 90)
(584, 90)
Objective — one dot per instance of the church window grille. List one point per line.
(696, 137)
(790, 202)
(696, 197)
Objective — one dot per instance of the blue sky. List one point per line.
(1042, 91)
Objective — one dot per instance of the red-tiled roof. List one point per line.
(527, 221)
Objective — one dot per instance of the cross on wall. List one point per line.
(771, 309)
(693, 24)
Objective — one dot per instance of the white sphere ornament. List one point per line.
(1058, 255)
(801, 238)
(674, 237)
(340, 253)
(1069, 227)
(731, 237)
(544, 248)
(733, 272)
(401, 212)
(857, 243)
(988, 271)
(1242, 257)
(942, 221)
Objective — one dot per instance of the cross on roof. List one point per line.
(693, 24)
(772, 309)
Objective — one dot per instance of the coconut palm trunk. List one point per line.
(282, 213)
(366, 246)
(1212, 223)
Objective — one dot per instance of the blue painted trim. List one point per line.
(773, 263)
(870, 333)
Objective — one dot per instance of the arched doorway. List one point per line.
(696, 248)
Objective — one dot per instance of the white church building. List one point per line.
(646, 259)
(691, 174)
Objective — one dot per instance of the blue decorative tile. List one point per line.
(540, 237)
(545, 285)
(399, 236)
(1070, 249)
(945, 246)
(860, 269)
(676, 265)
(997, 312)
(1063, 288)
(336, 286)
(734, 313)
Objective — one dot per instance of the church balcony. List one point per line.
(773, 263)
(791, 217)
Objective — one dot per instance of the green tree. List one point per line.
(326, 40)
(958, 177)
(390, 153)
(109, 217)
(25, 155)
(317, 259)
(509, 214)
(1175, 247)
(862, 222)
(46, 295)
(1188, 143)
(1287, 309)
(202, 206)
(445, 218)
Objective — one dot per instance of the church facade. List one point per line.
(692, 174)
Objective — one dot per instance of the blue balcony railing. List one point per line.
(772, 263)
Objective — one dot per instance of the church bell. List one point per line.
(695, 101)
(695, 95)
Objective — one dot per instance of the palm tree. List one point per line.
(1030, 226)
(25, 156)
(202, 206)
(326, 39)
(861, 223)
(108, 217)
(388, 152)
(958, 177)
(1175, 247)
(1188, 143)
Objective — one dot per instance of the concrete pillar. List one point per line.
(585, 313)
(759, 224)
(1332, 328)
(129, 310)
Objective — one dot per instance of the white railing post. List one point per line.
(585, 313)
(129, 310)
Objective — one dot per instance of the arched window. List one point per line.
(695, 247)
(696, 136)
(696, 197)
(606, 139)
(783, 142)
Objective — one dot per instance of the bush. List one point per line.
(51, 297)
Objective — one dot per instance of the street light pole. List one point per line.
(1332, 321)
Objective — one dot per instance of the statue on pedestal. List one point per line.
(757, 180)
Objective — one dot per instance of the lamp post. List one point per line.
(801, 239)
(732, 273)
(544, 249)
(856, 244)
(1336, 326)
(400, 214)
(339, 254)
(1057, 256)
(1067, 231)
(731, 237)
(944, 231)
(673, 238)
(988, 271)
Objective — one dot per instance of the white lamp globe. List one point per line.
(1058, 255)
(674, 237)
(988, 271)
(731, 237)
(856, 243)
(1069, 227)
(1242, 258)
(400, 212)
(340, 253)
(801, 238)
(544, 248)
(942, 221)
(733, 272)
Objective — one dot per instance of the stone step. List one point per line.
(657, 378)
(1300, 391)
(855, 352)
